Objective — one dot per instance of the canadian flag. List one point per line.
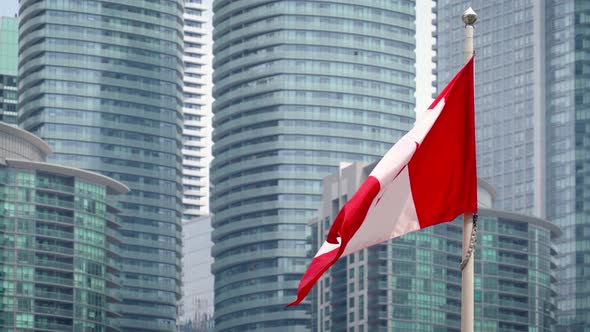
(426, 178)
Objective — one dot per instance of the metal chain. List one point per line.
(472, 243)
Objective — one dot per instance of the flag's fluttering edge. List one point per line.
(426, 178)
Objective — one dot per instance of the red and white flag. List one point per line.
(426, 178)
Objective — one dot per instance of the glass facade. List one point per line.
(532, 82)
(58, 244)
(300, 86)
(102, 84)
(413, 283)
(59, 253)
(568, 128)
(8, 68)
(504, 67)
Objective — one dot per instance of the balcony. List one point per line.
(54, 280)
(53, 295)
(54, 249)
(54, 187)
(54, 217)
(52, 326)
(54, 202)
(52, 311)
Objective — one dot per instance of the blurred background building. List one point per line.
(299, 87)
(58, 241)
(506, 85)
(532, 103)
(196, 149)
(413, 283)
(196, 307)
(102, 83)
(8, 68)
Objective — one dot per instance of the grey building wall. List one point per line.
(197, 279)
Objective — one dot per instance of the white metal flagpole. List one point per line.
(469, 18)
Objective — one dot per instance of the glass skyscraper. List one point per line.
(509, 152)
(413, 283)
(102, 84)
(300, 86)
(8, 68)
(567, 100)
(532, 119)
(58, 241)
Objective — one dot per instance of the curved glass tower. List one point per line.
(300, 86)
(58, 243)
(102, 84)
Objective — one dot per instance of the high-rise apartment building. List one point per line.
(532, 76)
(196, 307)
(58, 241)
(567, 124)
(425, 79)
(300, 86)
(196, 149)
(8, 68)
(101, 82)
(509, 151)
(413, 283)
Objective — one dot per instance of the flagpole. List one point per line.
(467, 304)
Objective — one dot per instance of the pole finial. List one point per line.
(469, 16)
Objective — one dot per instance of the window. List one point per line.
(192, 45)
(361, 277)
(361, 307)
(192, 11)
